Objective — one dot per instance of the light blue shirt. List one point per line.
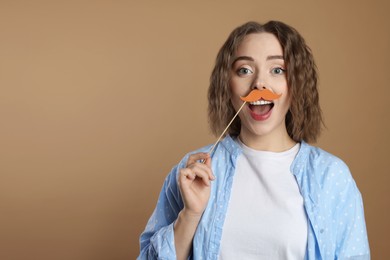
(333, 204)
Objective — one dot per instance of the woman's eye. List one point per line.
(244, 71)
(278, 70)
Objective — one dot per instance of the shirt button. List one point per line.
(321, 230)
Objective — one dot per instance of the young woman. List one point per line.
(264, 192)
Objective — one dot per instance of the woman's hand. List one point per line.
(195, 184)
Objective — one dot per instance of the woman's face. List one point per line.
(258, 63)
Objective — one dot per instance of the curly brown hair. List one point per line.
(304, 118)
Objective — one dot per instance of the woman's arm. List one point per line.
(157, 240)
(183, 198)
(195, 186)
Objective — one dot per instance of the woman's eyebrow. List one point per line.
(275, 57)
(271, 57)
(242, 58)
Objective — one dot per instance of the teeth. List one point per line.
(261, 102)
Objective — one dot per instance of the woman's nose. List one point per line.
(258, 82)
(258, 85)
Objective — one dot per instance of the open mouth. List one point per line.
(261, 107)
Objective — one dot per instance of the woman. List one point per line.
(264, 192)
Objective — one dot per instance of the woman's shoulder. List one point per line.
(319, 157)
(322, 165)
(324, 171)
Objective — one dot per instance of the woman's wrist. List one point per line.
(188, 217)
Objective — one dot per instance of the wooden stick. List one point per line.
(231, 121)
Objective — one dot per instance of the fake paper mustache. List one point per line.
(264, 94)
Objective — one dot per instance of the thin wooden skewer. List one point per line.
(231, 121)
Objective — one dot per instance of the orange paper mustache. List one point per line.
(256, 94)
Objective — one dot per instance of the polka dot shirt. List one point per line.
(332, 201)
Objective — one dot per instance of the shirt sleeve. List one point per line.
(352, 237)
(157, 240)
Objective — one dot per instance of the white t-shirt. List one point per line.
(266, 217)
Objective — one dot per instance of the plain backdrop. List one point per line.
(100, 99)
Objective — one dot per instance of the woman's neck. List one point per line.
(271, 142)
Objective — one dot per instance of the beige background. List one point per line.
(99, 99)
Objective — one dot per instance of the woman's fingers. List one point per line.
(203, 171)
(201, 161)
(208, 162)
(195, 182)
(197, 169)
(195, 172)
(187, 173)
(196, 157)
